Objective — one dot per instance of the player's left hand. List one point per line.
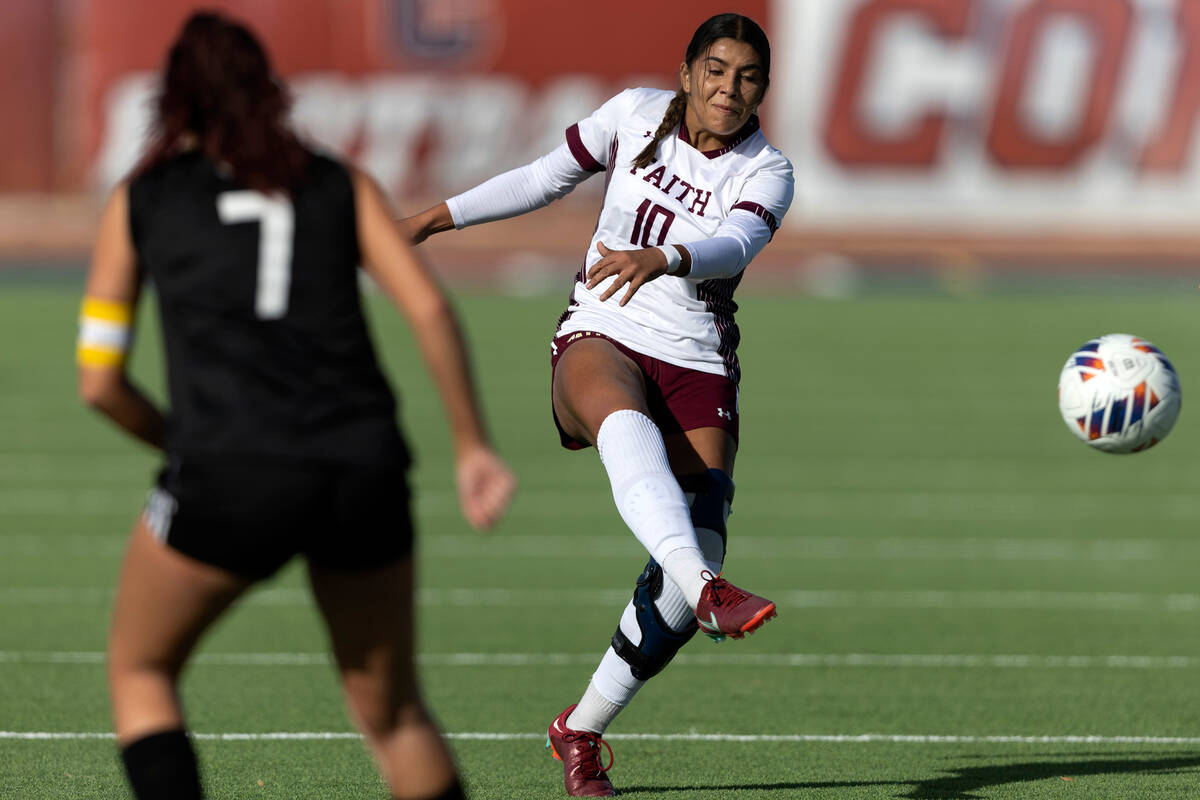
(632, 268)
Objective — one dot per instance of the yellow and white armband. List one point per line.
(105, 332)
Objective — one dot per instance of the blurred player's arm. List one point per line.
(509, 194)
(106, 328)
(485, 483)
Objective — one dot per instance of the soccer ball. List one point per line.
(1119, 394)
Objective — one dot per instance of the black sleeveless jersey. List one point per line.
(267, 350)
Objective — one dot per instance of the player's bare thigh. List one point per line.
(164, 602)
(165, 599)
(592, 380)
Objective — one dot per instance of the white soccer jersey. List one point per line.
(682, 196)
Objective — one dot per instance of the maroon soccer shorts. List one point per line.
(680, 399)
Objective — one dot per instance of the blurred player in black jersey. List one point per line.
(281, 436)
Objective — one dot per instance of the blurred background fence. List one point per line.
(961, 138)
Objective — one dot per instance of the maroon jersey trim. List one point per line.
(581, 276)
(717, 295)
(760, 212)
(580, 151)
(744, 133)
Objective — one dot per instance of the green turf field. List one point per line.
(972, 604)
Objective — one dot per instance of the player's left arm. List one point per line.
(750, 224)
(485, 482)
(106, 328)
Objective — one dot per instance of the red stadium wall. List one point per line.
(530, 40)
(1047, 129)
(27, 93)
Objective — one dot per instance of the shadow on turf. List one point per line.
(764, 787)
(974, 779)
(966, 779)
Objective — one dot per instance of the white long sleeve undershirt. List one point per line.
(739, 238)
(519, 190)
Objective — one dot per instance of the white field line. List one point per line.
(795, 660)
(772, 504)
(624, 548)
(831, 599)
(835, 738)
(818, 548)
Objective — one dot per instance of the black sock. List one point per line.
(162, 766)
(455, 792)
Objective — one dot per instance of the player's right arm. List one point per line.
(509, 194)
(106, 327)
(485, 483)
(537, 184)
(420, 227)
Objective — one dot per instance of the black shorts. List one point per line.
(251, 516)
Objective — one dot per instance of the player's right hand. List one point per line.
(413, 229)
(485, 487)
(420, 227)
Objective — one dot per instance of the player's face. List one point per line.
(724, 86)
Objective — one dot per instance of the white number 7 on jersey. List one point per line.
(276, 220)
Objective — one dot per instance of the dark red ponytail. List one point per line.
(220, 94)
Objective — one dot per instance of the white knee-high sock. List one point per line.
(649, 498)
(613, 686)
(594, 712)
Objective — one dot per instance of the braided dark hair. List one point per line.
(669, 121)
(722, 26)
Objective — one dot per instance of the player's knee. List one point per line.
(379, 719)
(381, 705)
(710, 497)
(657, 642)
(131, 662)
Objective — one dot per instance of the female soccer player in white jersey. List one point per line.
(644, 358)
(281, 438)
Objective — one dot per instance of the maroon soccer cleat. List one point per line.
(725, 610)
(579, 752)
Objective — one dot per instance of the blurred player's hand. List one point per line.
(485, 487)
(633, 268)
